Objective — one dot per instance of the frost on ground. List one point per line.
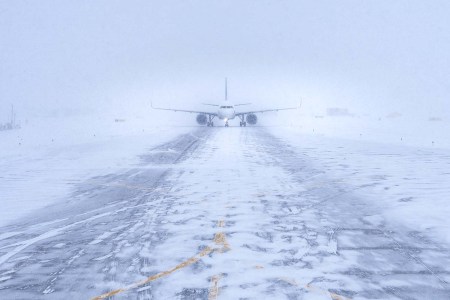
(410, 184)
(234, 213)
(44, 161)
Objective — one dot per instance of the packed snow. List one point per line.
(42, 162)
(240, 212)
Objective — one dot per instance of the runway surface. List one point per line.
(221, 213)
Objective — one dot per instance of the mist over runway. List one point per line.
(118, 182)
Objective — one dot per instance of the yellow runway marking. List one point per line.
(184, 264)
(219, 240)
(214, 289)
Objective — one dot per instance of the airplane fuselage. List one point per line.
(226, 112)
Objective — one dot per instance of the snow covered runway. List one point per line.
(222, 213)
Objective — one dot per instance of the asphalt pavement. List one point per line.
(220, 213)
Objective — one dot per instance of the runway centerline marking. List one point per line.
(214, 289)
(184, 264)
(219, 240)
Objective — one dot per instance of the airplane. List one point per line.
(226, 111)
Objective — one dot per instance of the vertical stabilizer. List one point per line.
(226, 89)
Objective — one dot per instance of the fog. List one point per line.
(111, 58)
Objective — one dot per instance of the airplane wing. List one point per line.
(263, 111)
(186, 111)
(209, 104)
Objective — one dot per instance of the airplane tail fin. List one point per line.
(226, 89)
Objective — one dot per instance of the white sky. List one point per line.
(83, 56)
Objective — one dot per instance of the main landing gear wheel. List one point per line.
(210, 124)
(243, 124)
(226, 124)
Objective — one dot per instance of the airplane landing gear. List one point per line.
(210, 123)
(226, 124)
(242, 123)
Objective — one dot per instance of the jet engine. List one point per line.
(202, 119)
(252, 119)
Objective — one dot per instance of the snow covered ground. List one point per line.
(41, 163)
(423, 131)
(228, 213)
(410, 183)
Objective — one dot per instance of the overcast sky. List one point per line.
(373, 57)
